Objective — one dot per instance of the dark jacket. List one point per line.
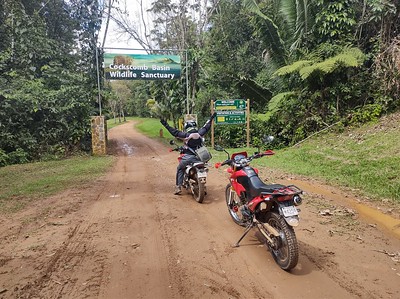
(193, 139)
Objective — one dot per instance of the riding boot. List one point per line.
(178, 190)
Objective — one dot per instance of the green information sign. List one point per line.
(230, 105)
(231, 117)
(231, 111)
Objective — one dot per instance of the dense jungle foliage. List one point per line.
(304, 65)
(47, 77)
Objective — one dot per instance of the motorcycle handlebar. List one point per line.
(249, 159)
(176, 149)
(259, 155)
(219, 164)
(226, 162)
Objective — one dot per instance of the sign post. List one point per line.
(235, 111)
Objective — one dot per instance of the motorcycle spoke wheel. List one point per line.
(198, 190)
(234, 206)
(285, 251)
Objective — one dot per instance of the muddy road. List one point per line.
(128, 236)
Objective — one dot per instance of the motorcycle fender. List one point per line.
(292, 221)
(187, 169)
(202, 175)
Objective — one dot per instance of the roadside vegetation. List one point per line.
(24, 183)
(365, 160)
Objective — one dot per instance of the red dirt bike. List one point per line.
(269, 208)
(195, 175)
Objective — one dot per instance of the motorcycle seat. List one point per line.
(199, 164)
(257, 187)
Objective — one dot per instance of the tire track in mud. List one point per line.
(166, 222)
(167, 218)
(143, 172)
(57, 276)
(206, 272)
(321, 259)
(76, 269)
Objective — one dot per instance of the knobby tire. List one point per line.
(198, 191)
(287, 255)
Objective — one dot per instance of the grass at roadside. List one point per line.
(111, 123)
(23, 183)
(148, 126)
(151, 127)
(364, 159)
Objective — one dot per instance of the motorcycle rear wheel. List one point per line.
(234, 206)
(286, 251)
(198, 190)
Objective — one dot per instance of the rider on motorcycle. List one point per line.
(192, 139)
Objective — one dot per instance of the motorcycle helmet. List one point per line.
(190, 126)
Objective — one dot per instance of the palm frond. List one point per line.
(300, 20)
(270, 30)
(289, 12)
(251, 6)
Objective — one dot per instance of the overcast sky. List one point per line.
(115, 40)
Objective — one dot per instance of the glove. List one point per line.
(213, 116)
(163, 122)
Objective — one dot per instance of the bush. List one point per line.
(367, 113)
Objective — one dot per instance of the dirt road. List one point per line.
(128, 236)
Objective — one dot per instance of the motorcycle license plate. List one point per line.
(289, 211)
(202, 174)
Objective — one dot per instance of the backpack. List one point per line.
(203, 154)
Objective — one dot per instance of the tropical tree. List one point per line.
(46, 81)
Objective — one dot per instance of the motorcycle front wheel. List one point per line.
(198, 190)
(285, 251)
(234, 204)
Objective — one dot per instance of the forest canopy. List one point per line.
(304, 65)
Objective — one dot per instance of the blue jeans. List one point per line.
(180, 170)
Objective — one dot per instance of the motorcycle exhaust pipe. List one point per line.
(297, 200)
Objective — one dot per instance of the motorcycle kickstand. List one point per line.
(248, 228)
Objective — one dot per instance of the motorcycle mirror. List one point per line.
(219, 148)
